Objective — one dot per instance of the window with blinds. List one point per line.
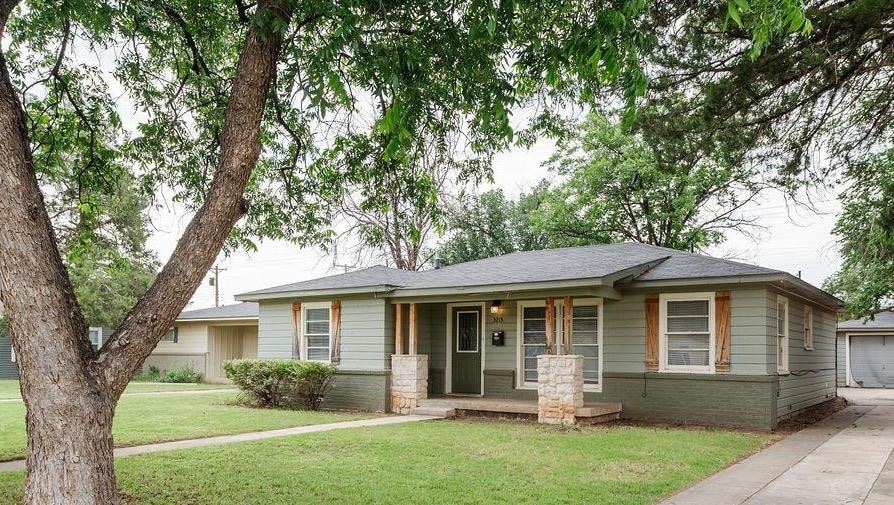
(688, 336)
(533, 340)
(316, 332)
(585, 339)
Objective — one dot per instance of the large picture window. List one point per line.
(316, 331)
(687, 332)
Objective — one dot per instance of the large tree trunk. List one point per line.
(70, 390)
(70, 447)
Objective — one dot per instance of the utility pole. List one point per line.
(215, 281)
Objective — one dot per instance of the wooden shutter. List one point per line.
(296, 330)
(335, 328)
(652, 332)
(723, 331)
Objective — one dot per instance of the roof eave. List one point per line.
(212, 319)
(499, 288)
(308, 293)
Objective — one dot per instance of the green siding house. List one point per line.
(670, 336)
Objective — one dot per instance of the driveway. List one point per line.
(844, 459)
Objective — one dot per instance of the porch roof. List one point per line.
(598, 266)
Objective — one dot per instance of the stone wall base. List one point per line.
(409, 381)
(560, 388)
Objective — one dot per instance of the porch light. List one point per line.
(495, 306)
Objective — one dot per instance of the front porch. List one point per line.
(447, 406)
(489, 356)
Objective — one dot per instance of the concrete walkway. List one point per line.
(844, 459)
(123, 452)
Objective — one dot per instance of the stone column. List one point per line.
(560, 388)
(409, 381)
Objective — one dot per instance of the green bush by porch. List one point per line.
(435, 462)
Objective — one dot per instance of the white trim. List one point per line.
(663, 298)
(478, 317)
(315, 305)
(784, 367)
(560, 337)
(448, 337)
(98, 330)
(847, 359)
(12, 353)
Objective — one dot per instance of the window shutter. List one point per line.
(296, 330)
(723, 331)
(652, 332)
(335, 328)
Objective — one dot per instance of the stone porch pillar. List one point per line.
(409, 381)
(560, 388)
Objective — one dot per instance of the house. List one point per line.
(866, 351)
(203, 339)
(665, 335)
(8, 367)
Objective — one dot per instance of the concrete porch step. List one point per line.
(593, 410)
(435, 411)
(598, 409)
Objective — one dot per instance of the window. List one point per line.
(585, 339)
(316, 331)
(170, 336)
(95, 334)
(533, 341)
(781, 335)
(687, 333)
(808, 327)
(12, 354)
(467, 329)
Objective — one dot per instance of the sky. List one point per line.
(792, 240)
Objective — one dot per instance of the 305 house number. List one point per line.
(496, 320)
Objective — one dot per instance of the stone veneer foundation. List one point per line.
(560, 388)
(409, 381)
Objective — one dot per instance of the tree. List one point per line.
(617, 188)
(866, 233)
(218, 84)
(490, 224)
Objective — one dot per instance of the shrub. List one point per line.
(153, 375)
(276, 383)
(181, 375)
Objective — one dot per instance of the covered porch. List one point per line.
(528, 354)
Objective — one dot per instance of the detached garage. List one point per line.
(866, 352)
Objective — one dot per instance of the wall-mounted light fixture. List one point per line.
(495, 306)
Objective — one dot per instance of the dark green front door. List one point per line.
(466, 349)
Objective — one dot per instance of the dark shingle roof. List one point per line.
(368, 277)
(883, 320)
(645, 262)
(244, 310)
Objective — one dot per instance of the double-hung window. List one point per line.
(316, 331)
(170, 336)
(781, 335)
(687, 332)
(95, 334)
(585, 339)
(808, 327)
(533, 341)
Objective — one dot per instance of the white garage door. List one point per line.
(872, 361)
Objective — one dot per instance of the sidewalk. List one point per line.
(123, 452)
(843, 459)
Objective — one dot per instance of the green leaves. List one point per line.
(768, 20)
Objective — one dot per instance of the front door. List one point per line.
(466, 349)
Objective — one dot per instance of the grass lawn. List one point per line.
(435, 462)
(143, 419)
(9, 388)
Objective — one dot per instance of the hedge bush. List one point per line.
(181, 375)
(281, 382)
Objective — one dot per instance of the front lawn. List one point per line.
(9, 388)
(435, 462)
(151, 418)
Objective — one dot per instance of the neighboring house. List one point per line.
(203, 339)
(8, 367)
(672, 336)
(866, 352)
